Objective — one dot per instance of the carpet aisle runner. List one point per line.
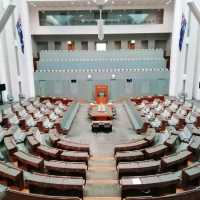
(102, 181)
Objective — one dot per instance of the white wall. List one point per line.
(185, 64)
(15, 66)
(36, 29)
(110, 39)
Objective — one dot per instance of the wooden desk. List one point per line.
(191, 173)
(72, 146)
(54, 137)
(75, 156)
(140, 167)
(193, 129)
(96, 115)
(33, 142)
(48, 152)
(129, 156)
(175, 159)
(141, 183)
(9, 172)
(132, 146)
(63, 183)
(19, 195)
(194, 146)
(101, 126)
(171, 141)
(151, 137)
(10, 144)
(155, 151)
(29, 160)
(67, 168)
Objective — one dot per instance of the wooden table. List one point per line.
(97, 114)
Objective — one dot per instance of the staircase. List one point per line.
(102, 181)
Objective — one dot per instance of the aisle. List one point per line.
(102, 144)
(102, 179)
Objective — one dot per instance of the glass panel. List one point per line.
(133, 17)
(111, 17)
(68, 18)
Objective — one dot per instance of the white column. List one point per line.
(175, 54)
(26, 59)
(111, 45)
(3, 61)
(9, 66)
(196, 88)
(192, 56)
(3, 68)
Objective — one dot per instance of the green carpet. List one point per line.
(107, 163)
(102, 190)
(92, 175)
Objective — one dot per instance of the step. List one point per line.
(102, 198)
(102, 188)
(102, 168)
(102, 158)
(102, 175)
(101, 181)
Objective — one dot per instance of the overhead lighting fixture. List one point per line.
(100, 24)
(100, 2)
(69, 42)
(132, 41)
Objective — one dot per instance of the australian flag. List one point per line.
(20, 33)
(182, 32)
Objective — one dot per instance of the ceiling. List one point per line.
(94, 3)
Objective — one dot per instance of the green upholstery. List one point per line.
(69, 116)
(136, 120)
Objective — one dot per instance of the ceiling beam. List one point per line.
(6, 15)
(195, 9)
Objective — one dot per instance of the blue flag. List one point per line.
(20, 33)
(182, 32)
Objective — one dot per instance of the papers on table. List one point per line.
(136, 181)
